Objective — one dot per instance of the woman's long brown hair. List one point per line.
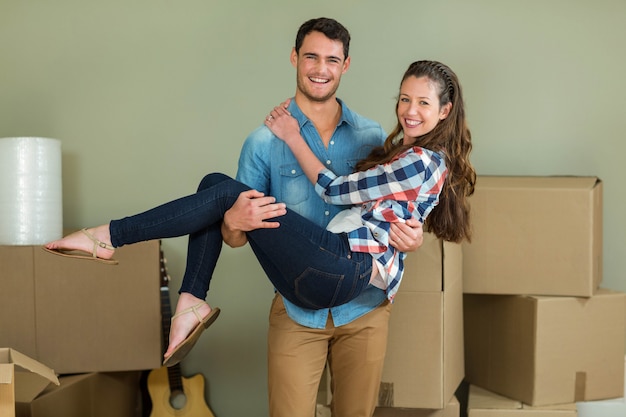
(450, 219)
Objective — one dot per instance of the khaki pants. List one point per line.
(297, 356)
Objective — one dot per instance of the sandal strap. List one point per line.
(192, 309)
(96, 243)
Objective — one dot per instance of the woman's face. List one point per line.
(418, 108)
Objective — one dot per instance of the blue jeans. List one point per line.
(310, 266)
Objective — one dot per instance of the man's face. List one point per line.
(319, 66)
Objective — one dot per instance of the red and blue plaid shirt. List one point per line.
(407, 187)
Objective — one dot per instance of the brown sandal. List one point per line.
(186, 345)
(81, 255)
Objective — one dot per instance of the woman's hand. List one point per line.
(406, 237)
(282, 124)
(287, 129)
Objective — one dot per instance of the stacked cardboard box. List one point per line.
(82, 317)
(483, 403)
(452, 409)
(21, 380)
(424, 363)
(30, 389)
(535, 235)
(538, 327)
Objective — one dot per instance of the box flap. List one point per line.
(31, 377)
(32, 365)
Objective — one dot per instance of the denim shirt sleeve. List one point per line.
(254, 160)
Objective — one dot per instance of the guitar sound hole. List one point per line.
(178, 400)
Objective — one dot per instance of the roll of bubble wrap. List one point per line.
(31, 196)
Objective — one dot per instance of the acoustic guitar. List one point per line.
(170, 392)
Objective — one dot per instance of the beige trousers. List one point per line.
(297, 356)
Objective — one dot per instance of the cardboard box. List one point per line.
(453, 409)
(88, 395)
(615, 407)
(424, 361)
(483, 403)
(546, 350)
(21, 380)
(535, 235)
(79, 316)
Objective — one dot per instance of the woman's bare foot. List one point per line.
(96, 239)
(185, 323)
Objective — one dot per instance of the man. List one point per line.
(351, 337)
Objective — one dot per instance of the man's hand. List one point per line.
(406, 237)
(249, 212)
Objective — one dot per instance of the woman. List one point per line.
(422, 164)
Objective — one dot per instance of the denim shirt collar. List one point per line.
(346, 114)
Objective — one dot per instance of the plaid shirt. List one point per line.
(408, 186)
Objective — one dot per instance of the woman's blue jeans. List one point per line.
(308, 265)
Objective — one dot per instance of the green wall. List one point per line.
(148, 96)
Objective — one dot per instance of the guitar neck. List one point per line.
(166, 316)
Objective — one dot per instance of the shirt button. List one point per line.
(328, 162)
(293, 171)
(332, 142)
(327, 213)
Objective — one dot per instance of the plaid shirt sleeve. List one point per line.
(416, 175)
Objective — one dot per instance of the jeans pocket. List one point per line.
(318, 289)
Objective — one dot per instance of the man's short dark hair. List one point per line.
(329, 27)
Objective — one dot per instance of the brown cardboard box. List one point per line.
(483, 403)
(535, 235)
(453, 409)
(546, 350)
(88, 395)
(80, 316)
(21, 380)
(424, 362)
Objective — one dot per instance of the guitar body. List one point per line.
(166, 403)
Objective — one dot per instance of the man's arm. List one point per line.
(250, 211)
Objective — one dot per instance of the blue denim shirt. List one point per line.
(267, 164)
